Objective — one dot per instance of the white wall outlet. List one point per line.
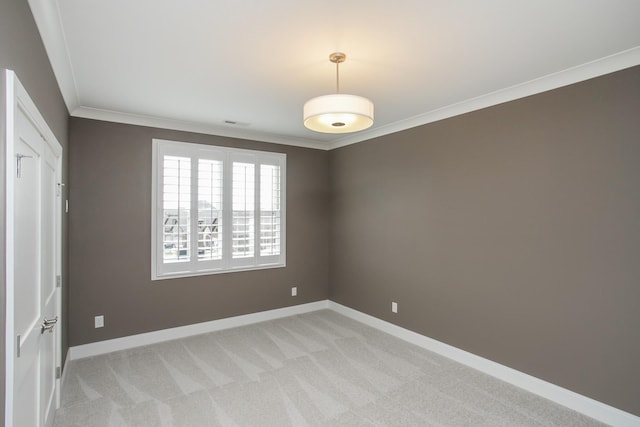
(294, 291)
(99, 321)
(394, 307)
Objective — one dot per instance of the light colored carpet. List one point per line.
(316, 369)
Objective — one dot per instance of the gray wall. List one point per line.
(512, 232)
(110, 238)
(22, 51)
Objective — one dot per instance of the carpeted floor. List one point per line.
(314, 369)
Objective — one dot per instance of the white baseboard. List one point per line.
(590, 407)
(585, 405)
(131, 341)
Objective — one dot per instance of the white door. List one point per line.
(35, 267)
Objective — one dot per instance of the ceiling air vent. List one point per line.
(236, 123)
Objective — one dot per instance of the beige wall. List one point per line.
(110, 238)
(512, 232)
(22, 51)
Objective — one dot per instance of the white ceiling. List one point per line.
(192, 64)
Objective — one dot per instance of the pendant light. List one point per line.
(338, 113)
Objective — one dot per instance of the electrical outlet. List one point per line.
(99, 321)
(394, 307)
(294, 291)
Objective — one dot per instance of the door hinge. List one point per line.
(58, 372)
(58, 281)
(18, 346)
(59, 189)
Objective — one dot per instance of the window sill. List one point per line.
(184, 274)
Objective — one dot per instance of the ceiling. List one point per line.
(196, 64)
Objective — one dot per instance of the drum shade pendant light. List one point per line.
(338, 113)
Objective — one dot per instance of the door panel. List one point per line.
(36, 219)
(28, 415)
(27, 242)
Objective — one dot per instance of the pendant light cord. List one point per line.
(337, 76)
(337, 58)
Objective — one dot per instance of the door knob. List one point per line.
(48, 324)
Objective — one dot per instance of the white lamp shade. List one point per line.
(338, 113)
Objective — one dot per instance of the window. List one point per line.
(216, 209)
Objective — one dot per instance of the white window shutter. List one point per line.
(216, 209)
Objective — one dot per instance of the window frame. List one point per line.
(194, 267)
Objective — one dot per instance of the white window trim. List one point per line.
(161, 147)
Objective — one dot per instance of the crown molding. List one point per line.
(47, 17)
(609, 64)
(163, 123)
(599, 67)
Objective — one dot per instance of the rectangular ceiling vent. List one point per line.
(236, 123)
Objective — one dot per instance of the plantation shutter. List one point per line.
(216, 209)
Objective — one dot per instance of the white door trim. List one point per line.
(16, 97)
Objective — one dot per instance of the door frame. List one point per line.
(16, 97)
